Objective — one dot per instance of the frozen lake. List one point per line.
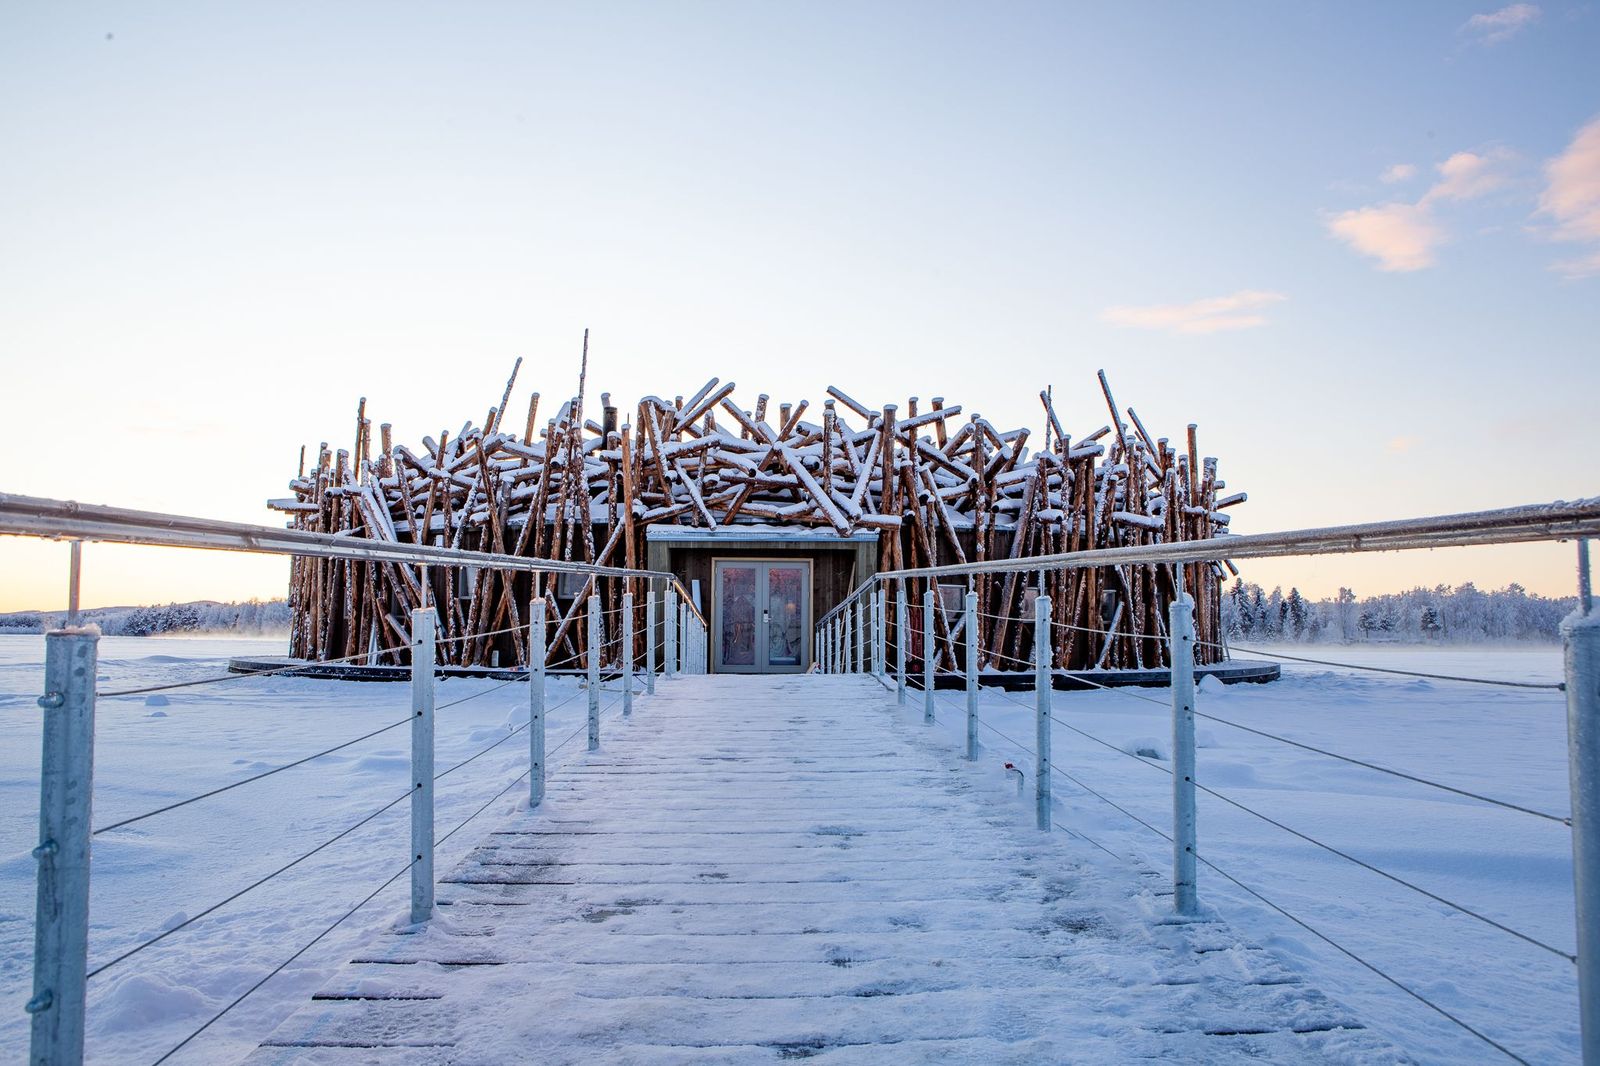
(1506, 743)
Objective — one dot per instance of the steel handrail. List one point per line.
(35, 516)
(1555, 521)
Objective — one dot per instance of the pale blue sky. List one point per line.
(220, 225)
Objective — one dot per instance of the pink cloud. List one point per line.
(1404, 236)
(1496, 26)
(1214, 315)
(1467, 176)
(1572, 197)
(1401, 237)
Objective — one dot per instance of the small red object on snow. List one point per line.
(1010, 767)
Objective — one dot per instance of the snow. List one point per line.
(820, 880)
(1512, 867)
(186, 860)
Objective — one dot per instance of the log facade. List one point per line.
(893, 486)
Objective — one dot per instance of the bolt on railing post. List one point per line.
(536, 674)
(1580, 635)
(928, 655)
(627, 654)
(66, 789)
(424, 657)
(650, 642)
(970, 625)
(1185, 893)
(594, 673)
(669, 639)
(1041, 697)
(900, 643)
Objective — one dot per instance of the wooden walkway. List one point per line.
(765, 868)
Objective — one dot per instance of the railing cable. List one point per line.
(1330, 848)
(284, 964)
(1387, 770)
(1419, 997)
(475, 695)
(1548, 685)
(237, 675)
(521, 777)
(249, 780)
(253, 885)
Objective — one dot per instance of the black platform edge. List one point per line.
(1239, 671)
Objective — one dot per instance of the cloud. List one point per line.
(1402, 444)
(1496, 26)
(1401, 237)
(1467, 176)
(1397, 173)
(1404, 236)
(1214, 315)
(1572, 198)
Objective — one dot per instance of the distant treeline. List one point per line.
(203, 616)
(1464, 614)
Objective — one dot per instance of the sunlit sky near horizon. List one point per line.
(1358, 244)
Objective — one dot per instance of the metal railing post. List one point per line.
(627, 654)
(536, 673)
(872, 632)
(423, 660)
(879, 632)
(1180, 615)
(594, 673)
(74, 583)
(847, 619)
(669, 639)
(928, 655)
(970, 625)
(900, 643)
(860, 634)
(685, 639)
(1580, 635)
(650, 642)
(1585, 591)
(1041, 697)
(66, 789)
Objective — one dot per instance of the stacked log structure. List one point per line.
(937, 485)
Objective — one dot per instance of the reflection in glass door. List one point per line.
(762, 610)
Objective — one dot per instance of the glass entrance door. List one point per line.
(762, 618)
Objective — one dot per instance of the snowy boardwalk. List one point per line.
(765, 868)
